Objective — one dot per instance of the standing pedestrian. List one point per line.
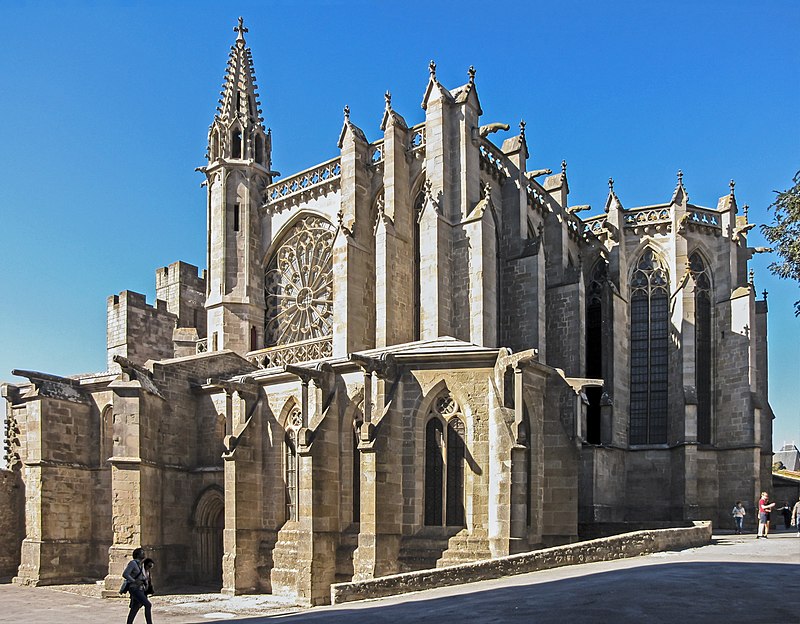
(738, 516)
(796, 517)
(764, 509)
(137, 576)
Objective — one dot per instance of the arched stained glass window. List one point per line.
(649, 350)
(445, 452)
(595, 291)
(702, 345)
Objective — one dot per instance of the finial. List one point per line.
(611, 185)
(680, 177)
(471, 72)
(487, 191)
(752, 277)
(388, 97)
(347, 112)
(563, 167)
(522, 128)
(432, 69)
(241, 29)
(746, 209)
(765, 293)
(732, 184)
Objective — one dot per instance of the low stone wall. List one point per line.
(12, 521)
(604, 549)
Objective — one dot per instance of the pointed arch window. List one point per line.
(445, 454)
(290, 473)
(236, 143)
(259, 149)
(649, 347)
(702, 345)
(416, 327)
(595, 293)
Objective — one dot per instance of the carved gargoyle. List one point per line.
(488, 129)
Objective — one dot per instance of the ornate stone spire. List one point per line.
(237, 132)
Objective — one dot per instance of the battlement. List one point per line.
(136, 330)
(183, 289)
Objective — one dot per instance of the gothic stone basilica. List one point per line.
(411, 355)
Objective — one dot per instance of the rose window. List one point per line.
(298, 285)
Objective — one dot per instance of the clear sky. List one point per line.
(105, 108)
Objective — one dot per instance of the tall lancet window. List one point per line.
(595, 292)
(649, 350)
(702, 345)
(293, 424)
(445, 452)
(418, 203)
(236, 144)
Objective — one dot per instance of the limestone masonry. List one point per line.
(412, 355)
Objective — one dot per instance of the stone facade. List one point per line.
(411, 355)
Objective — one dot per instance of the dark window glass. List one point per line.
(291, 476)
(434, 468)
(702, 345)
(455, 472)
(649, 351)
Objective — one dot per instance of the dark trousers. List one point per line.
(139, 600)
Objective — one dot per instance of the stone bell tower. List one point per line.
(238, 171)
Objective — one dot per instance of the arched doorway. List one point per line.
(209, 522)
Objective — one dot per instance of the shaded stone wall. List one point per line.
(12, 521)
(138, 331)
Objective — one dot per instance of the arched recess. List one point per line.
(208, 522)
(106, 446)
(419, 200)
(521, 472)
(291, 419)
(298, 283)
(703, 344)
(649, 349)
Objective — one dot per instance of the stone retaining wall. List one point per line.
(604, 549)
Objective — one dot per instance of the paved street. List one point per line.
(737, 577)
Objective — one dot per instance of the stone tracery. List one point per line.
(298, 285)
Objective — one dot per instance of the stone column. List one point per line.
(353, 250)
(381, 471)
(394, 236)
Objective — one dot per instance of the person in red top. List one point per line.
(764, 507)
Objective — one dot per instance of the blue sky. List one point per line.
(106, 106)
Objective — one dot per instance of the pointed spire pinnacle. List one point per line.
(432, 69)
(237, 131)
(471, 73)
(240, 29)
(388, 97)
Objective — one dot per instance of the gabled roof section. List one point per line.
(239, 95)
(351, 127)
(389, 114)
(435, 87)
(468, 92)
(612, 201)
(680, 195)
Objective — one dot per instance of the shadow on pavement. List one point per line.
(670, 592)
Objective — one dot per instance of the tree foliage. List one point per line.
(784, 233)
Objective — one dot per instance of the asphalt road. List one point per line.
(735, 578)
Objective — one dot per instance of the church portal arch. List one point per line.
(208, 520)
